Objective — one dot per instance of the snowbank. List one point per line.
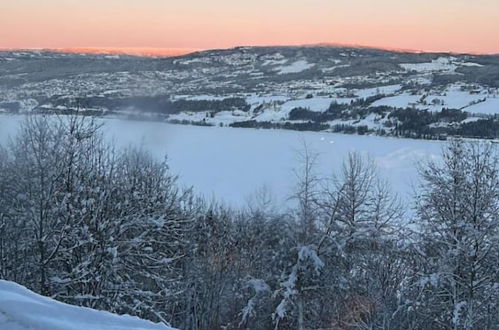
(21, 309)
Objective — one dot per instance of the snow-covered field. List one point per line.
(476, 100)
(298, 66)
(22, 309)
(490, 106)
(440, 64)
(364, 93)
(231, 164)
(405, 100)
(281, 112)
(453, 97)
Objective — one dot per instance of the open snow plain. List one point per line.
(230, 164)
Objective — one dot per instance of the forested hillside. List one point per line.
(307, 88)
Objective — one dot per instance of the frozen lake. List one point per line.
(232, 163)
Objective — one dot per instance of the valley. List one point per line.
(317, 88)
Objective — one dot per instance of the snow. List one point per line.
(272, 114)
(281, 112)
(471, 119)
(22, 309)
(254, 99)
(372, 121)
(441, 64)
(228, 117)
(399, 101)
(453, 97)
(275, 62)
(318, 104)
(231, 163)
(192, 116)
(280, 311)
(307, 252)
(490, 106)
(459, 309)
(470, 64)
(295, 67)
(221, 117)
(274, 59)
(390, 89)
(258, 285)
(200, 97)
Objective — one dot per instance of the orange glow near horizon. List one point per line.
(139, 51)
(167, 27)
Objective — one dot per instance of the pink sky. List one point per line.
(436, 25)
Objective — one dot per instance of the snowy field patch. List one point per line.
(364, 93)
(295, 67)
(399, 101)
(281, 112)
(451, 98)
(254, 99)
(442, 64)
(200, 97)
(490, 107)
(318, 104)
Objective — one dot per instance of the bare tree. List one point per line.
(458, 209)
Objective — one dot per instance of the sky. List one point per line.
(422, 25)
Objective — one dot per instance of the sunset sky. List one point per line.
(428, 25)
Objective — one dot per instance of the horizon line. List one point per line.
(180, 51)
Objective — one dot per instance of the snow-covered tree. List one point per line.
(90, 225)
(108, 228)
(458, 211)
(41, 164)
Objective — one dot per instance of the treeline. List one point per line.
(356, 109)
(304, 126)
(314, 126)
(110, 229)
(426, 124)
(409, 122)
(161, 104)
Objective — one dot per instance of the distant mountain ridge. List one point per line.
(131, 51)
(180, 51)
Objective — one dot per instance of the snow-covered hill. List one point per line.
(22, 309)
(305, 88)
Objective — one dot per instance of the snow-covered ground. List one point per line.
(254, 99)
(367, 92)
(295, 67)
(452, 97)
(231, 163)
(319, 104)
(490, 106)
(441, 64)
(22, 309)
(404, 100)
(280, 112)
